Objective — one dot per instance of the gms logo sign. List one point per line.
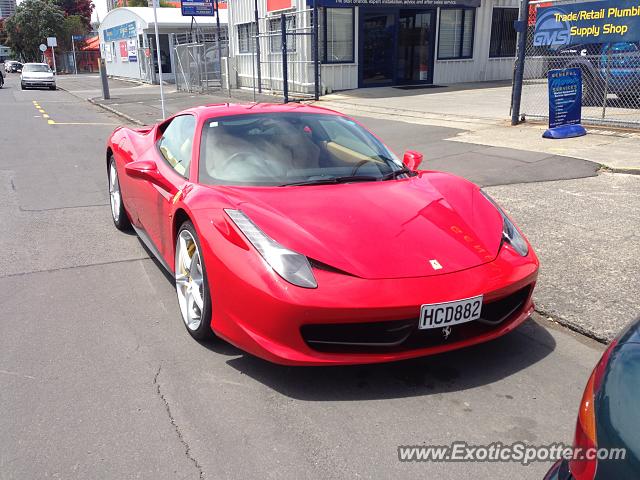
(551, 32)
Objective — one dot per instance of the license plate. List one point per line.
(437, 315)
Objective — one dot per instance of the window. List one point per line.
(503, 33)
(246, 37)
(176, 143)
(335, 30)
(275, 35)
(456, 33)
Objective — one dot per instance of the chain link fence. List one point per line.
(610, 76)
(198, 60)
(84, 61)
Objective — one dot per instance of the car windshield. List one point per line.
(291, 148)
(36, 68)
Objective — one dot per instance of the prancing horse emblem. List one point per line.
(435, 264)
(446, 331)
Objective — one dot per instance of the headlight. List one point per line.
(510, 233)
(290, 265)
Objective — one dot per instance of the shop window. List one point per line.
(503, 33)
(335, 31)
(456, 33)
(246, 37)
(275, 38)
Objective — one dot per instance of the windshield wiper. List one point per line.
(333, 180)
(396, 173)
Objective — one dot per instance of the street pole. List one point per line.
(53, 54)
(516, 94)
(315, 48)
(155, 20)
(75, 63)
(219, 39)
(259, 71)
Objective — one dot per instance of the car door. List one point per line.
(172, 154)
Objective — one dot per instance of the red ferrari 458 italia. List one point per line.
(295, 234)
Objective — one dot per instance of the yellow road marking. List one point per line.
(45, 116)
(41, 110)
(51, 122)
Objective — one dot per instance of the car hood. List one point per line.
(421, 226)
(37, 75)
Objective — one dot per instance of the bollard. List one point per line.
(103, 78)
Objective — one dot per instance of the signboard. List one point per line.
(197, 8)
(107, 52)
(77, 38)
(565, 97)
(387, 3)
(132, 50)
(120, 32)
(274, 5)
(607, 21)
(43, 47)
(52, 41)
(124, 51)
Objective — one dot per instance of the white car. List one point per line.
(37, 75)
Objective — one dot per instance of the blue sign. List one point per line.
(77, 38)
(397, 3)
(126, 30)
(565, 97)
(606, 21)
(197, 8)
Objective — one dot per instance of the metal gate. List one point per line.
(280, 58)
(197, 60)
(610, 76)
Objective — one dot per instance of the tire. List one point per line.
(53, 87)
(589, 90)
(628, 100)
(191, 284)
(118, 213)
(22, 86)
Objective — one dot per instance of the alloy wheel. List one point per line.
(189, 280)
(114, 192)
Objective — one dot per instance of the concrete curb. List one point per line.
(585, 332)
(105, 107)
(116, 112)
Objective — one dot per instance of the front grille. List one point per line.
(402, 335)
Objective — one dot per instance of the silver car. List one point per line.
(37, 75)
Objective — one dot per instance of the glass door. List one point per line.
(378, 44)
(416, 33)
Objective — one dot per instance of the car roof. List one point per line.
(225, 109)
(35, 63)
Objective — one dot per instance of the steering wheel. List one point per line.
(359, 165)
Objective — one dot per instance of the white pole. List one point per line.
(155, 19)
(53, 54)
(75, 63)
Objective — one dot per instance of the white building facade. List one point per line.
(369, 43)
(128, 44)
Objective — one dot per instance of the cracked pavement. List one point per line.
(98, 378)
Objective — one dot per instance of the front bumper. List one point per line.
(38, 83)
(256, 310)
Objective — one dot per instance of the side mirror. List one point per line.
(412, 159)
(148, 170)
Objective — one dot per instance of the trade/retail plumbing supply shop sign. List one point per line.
(607, 21)
(398, 3)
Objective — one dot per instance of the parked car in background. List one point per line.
(12, 66)
(37, 75)
(606, 68)
(608, 415)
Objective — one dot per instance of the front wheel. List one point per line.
(120, 218)
(52, 87)
(191, 284)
